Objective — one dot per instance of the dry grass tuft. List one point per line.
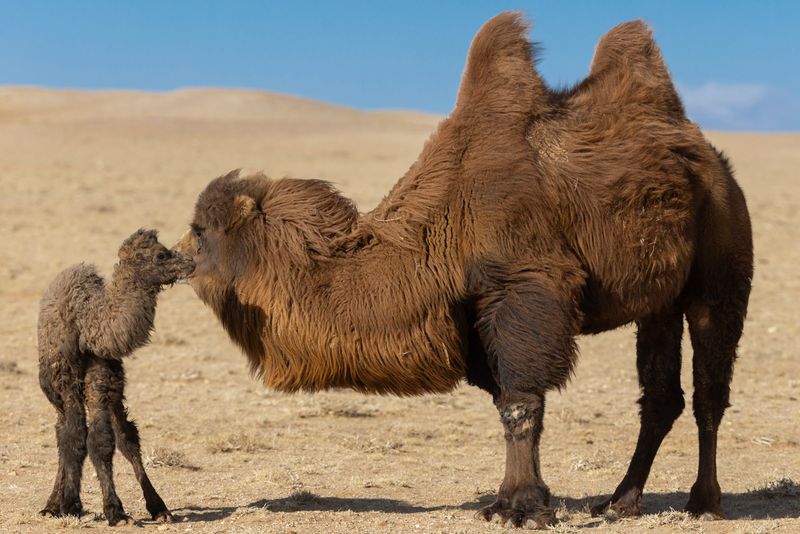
(354, 412)
(25, 518)
(247, 510)
(239, 442)
(303, 497)
(585, 464)
(563, 528)
(778, 489)
(72, 522)
(164, 457)
(10, 367)
(674, 519)
(373, 446)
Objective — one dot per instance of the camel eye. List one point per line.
(197, 230)
(161, 256)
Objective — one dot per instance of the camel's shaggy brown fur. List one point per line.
(85, 329)
(531, 216)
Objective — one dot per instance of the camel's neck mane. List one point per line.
(339, 301)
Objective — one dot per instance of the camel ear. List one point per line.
(244, 207)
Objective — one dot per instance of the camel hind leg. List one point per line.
(718, 293)
(715, 325)
(102, 391)
(658, 361)
(127, 437)
(53, 506)
(60, 379)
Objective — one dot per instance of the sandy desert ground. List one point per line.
(79, 171)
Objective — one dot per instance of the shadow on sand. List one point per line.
(755, 504)
(749, 505)
(312, 504)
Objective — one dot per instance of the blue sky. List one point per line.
(735, 62)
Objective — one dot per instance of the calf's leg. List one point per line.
(101, 392)
(53, 506)
(128, 443)
(71, 438)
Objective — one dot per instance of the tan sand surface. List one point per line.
(79, 171)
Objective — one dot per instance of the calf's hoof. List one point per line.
(50, 512)
(71, 508)
(120, 520)
(117, 516)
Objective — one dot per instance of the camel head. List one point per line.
(217, 241)
(150, 261)
(256, 228)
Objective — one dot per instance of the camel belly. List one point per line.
(647, 287)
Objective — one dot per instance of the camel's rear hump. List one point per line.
(628, 67)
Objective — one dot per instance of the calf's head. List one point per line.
(153, 264)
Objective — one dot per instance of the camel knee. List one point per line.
(663, 408)
(522, 419)
(127, 436)
(100, 438)
(71, 436)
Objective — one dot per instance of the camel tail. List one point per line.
(499, 75)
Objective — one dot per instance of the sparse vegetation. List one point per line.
(303, 497)
(373, 445)
(237, 442)
(10, 367)
(586, 464)
(778, 489)
(165, 457)
(682, 521)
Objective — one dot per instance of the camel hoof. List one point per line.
(600, 508)
(514, 518)
(164, 517)
(705, 507)
(49, 512)
(119, 519)
(705, 514)
(625, 506)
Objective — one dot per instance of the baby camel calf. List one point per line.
(86, 327)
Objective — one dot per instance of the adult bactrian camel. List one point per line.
(531, 216)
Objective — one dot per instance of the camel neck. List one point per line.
(348, 324)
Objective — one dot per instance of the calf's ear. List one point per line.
(244, 209)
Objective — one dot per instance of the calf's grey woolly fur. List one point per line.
(86, 327)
